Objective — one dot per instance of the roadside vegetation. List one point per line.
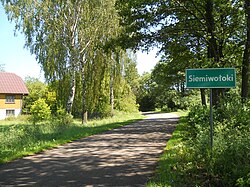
(86, 52)
(189, 160)
(20, 137)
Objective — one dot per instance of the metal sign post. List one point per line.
(211, 118)
(211, 78)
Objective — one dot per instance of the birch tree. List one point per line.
(73, 43)
(63, 36)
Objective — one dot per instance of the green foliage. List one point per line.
(234, 111)
(104, 111)
(189, 159)
(185, 34)
(125, 99)
(131, 74)
(156, 92)
(169, 91)
(145, 97)
(192, 34)
(62, 117)
(244, 181)
(40, 111)
(169, 100)
(51, 100)
(146, 103)
(229, 159)
(73, 40)
(37, 90)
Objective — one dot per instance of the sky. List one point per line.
(18, 60)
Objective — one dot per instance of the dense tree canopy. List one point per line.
(82, 47)
(190, 34)
(69, 40)
(85, 49)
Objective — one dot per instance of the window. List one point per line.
(10, 112)
(10, 99)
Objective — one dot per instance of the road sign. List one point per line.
(211, 78)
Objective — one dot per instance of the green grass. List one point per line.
(181, 113)
(188, 161)
(20, 138)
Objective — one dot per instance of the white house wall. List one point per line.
(3, 113)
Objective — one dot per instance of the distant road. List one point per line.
(126, 156)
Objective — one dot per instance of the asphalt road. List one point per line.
(126, 156)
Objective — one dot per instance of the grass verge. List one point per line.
(20, 138)
(189, 161)
(167, 173)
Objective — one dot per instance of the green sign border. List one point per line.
(211, 72)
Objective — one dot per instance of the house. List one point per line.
(12, 90)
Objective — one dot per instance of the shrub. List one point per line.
(198, 121)
(244, 181)
(62, 117)
(40, 111)
(228, 163)
(126, 102)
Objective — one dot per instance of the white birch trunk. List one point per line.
(71, 94)
(111, 84)
(84, 104)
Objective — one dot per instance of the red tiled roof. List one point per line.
(10, 83)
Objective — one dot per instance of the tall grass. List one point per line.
(19, 137)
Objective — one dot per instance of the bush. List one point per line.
(228, 163)
(189, 159)
(244, 181)
(103, 111)
(126, 102)
(62, 117)
(40, 111)
(146, 103)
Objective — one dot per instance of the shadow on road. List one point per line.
(126, 156)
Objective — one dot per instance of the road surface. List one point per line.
(126, 156)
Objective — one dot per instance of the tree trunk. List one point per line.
(212, 46)
(111, 84)
(72, 93)
(111, 93)
(84, 104)
(203, 97)
(182, 89)
(246, 56)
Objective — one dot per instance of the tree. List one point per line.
(40, 111)
(146, 97)
(131, 74)
(68, 39)
(37, 90)
(246, 55)
(125, 83)
(210, 31)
